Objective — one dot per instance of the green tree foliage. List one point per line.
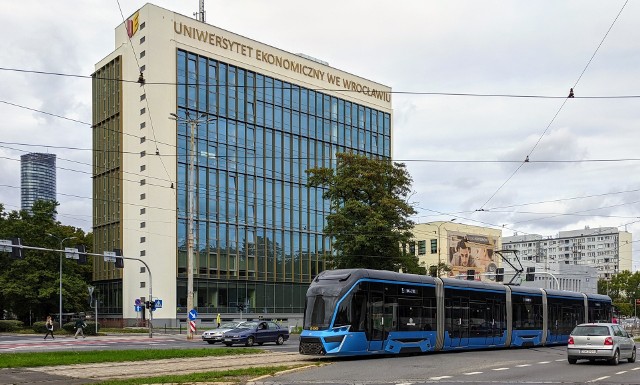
(623, 288)
(369, 220)
(30, 286)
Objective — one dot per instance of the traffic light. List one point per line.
(16, 252)
(241, 306)
(119, 261)
(152, 305)
(82, 254)
(471, 275)
(500, 274)
(531, 274)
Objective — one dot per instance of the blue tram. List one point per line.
(354, 312)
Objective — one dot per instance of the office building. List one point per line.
(261, 116)
(37, 179)
(607, 249)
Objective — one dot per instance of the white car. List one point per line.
(215, 335)
(600, 341)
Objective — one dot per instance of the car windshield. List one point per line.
(230, 325)
(590, 331)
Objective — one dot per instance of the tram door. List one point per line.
(457, 320)
(377, 330)
(555, 318)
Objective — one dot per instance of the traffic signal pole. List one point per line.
(6, 244)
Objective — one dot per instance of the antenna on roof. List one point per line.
(200, 15)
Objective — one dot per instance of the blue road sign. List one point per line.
(158, 303)
(138, 302)
(193, 314)
(138, 308)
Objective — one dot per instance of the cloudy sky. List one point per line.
(480, 86)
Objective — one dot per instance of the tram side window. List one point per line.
(527, 312)
(409, 314)
(343, 315)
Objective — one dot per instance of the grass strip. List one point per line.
(236, 375)
(27, 360)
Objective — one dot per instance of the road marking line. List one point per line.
(522, 365)
(636, 368)
(622, 372)
(496, 369)
(471, 373)
(405, 383)
(439, 378)
(598, 379)
(562, 359)
(544, 362)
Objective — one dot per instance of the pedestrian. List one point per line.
(49, 326)
(80, 325)
(218, 319)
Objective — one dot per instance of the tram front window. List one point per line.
(319, 310)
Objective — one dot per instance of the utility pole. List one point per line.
(61, 254)
(439, 242)
(193, 123)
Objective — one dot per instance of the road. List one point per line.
(36, 343)
(545, 365)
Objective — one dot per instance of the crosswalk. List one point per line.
(70, 343)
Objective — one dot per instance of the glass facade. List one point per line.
(257, 226)
(38, 179)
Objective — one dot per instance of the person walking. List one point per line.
(80, 325)
(49, 326)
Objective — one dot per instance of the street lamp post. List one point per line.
(60, 278)
(439, 242)
(193, 122)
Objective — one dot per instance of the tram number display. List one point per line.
(409, 290)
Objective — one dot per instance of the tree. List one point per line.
(369, 219)
(623, 288)
(30, 286)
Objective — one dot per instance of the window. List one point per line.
(143, 211)
(143, 139)
(143, 68)
(143, 196)
(142, 268)
(142, 39)
(143, 154)
(422, 247)
(142, 54)
(143, 125)
(143, 111)
(143, 167)
(143, 97)
(142, 254)
(434, 246)
(143, 284)
(142, 25)
(143, 239)
(143, 225)
(143, 182)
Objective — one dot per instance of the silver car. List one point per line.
(215, 335)
(600, 341)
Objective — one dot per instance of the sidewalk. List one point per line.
(113, 370)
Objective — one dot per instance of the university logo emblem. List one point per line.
(132, 25)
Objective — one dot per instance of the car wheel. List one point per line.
(228, 343)
(250, 341)
(615, 360)
(280, 340)
(632, 359)
(572, 360)
(211, 342)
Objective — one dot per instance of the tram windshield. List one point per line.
(318, 312)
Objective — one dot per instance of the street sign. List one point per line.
(159, 304)
(138, 302)
(109, 256)
(193, 314)
(138, 308)
(5, 245)
(71, 253)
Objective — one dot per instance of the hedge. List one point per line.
(41, 326)
(10, 325)
(90, 330)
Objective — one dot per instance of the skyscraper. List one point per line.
(264, 116)
(37, 178)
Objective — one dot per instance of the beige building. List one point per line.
(461, 247)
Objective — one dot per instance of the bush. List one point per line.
(90, 330)
(41, 326)
(10, 325)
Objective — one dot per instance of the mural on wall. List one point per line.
(472, 251)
